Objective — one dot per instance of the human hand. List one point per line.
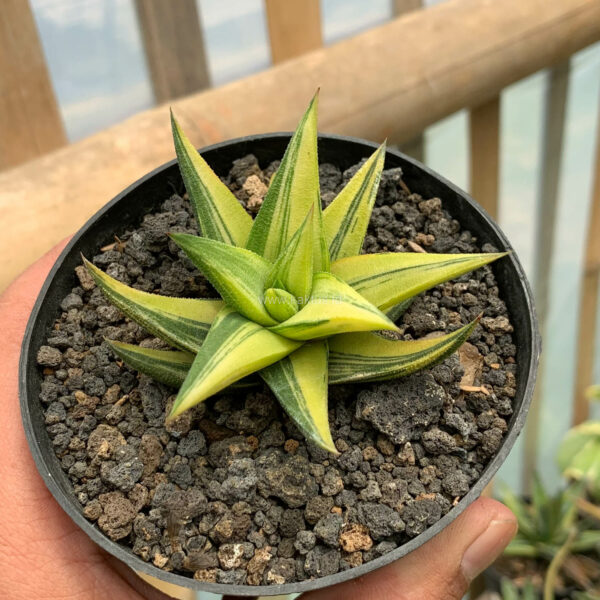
(47, 556)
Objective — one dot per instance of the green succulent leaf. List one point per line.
(234, 348)
(293, 270)
(527, 526)
(370, 357)
(300, 383)
(238, 274)
(586, 541)
(529, 591)
(281, 305)
(333, 307)
(519, 547)
(510, 590)
(321, 258)
(220, 216)
(346, 219)
(540, 499)
(398, 310)
(293, 191)
(577, 451)
(387, 279)
(182, 322)
(167, 366)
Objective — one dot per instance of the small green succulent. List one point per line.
(551, 528)
(510, 591)
(301, 307)
(549, 522)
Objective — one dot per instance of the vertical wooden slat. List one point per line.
(294, 27)
(402, 6)
(484, 139)
(416, 146)
(30, 122)
(588, 308)
(552, 144)
(553, 135)
(484, 133)
(174, 47)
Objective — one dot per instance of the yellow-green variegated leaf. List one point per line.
(280, 304)
(334, 307)
(293, 191)
(399, 309)
(293, 270)
(167, 366)
(300, 383)
(234, 348)
(220, 216)
(238, 274)
(389, 278)
(579, 453)
(369, 357)
(346, 219)
(182, 322)
(321, 258)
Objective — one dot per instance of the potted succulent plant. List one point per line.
(150, 368)
(555, 552)
(557, 547)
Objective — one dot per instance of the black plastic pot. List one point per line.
(126, 211)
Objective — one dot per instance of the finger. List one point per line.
(441, 568)
(15, 307)
(18, 299)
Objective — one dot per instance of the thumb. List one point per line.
(441, 569)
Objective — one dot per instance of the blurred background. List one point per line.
(517, 127)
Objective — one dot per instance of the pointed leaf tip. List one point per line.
(293, 270)
(293, 190)
(367, 357)
(299, 382)
(220, 216)
(388, 279)
(167, 366)
(346, 219)
(182, 322)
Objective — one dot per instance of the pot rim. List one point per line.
(71, 505)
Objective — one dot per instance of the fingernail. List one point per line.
(487, 547)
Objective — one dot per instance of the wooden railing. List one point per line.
(392, 81)
(30, 123)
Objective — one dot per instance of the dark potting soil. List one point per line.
(231, 492)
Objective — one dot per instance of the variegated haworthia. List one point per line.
(301, 307)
